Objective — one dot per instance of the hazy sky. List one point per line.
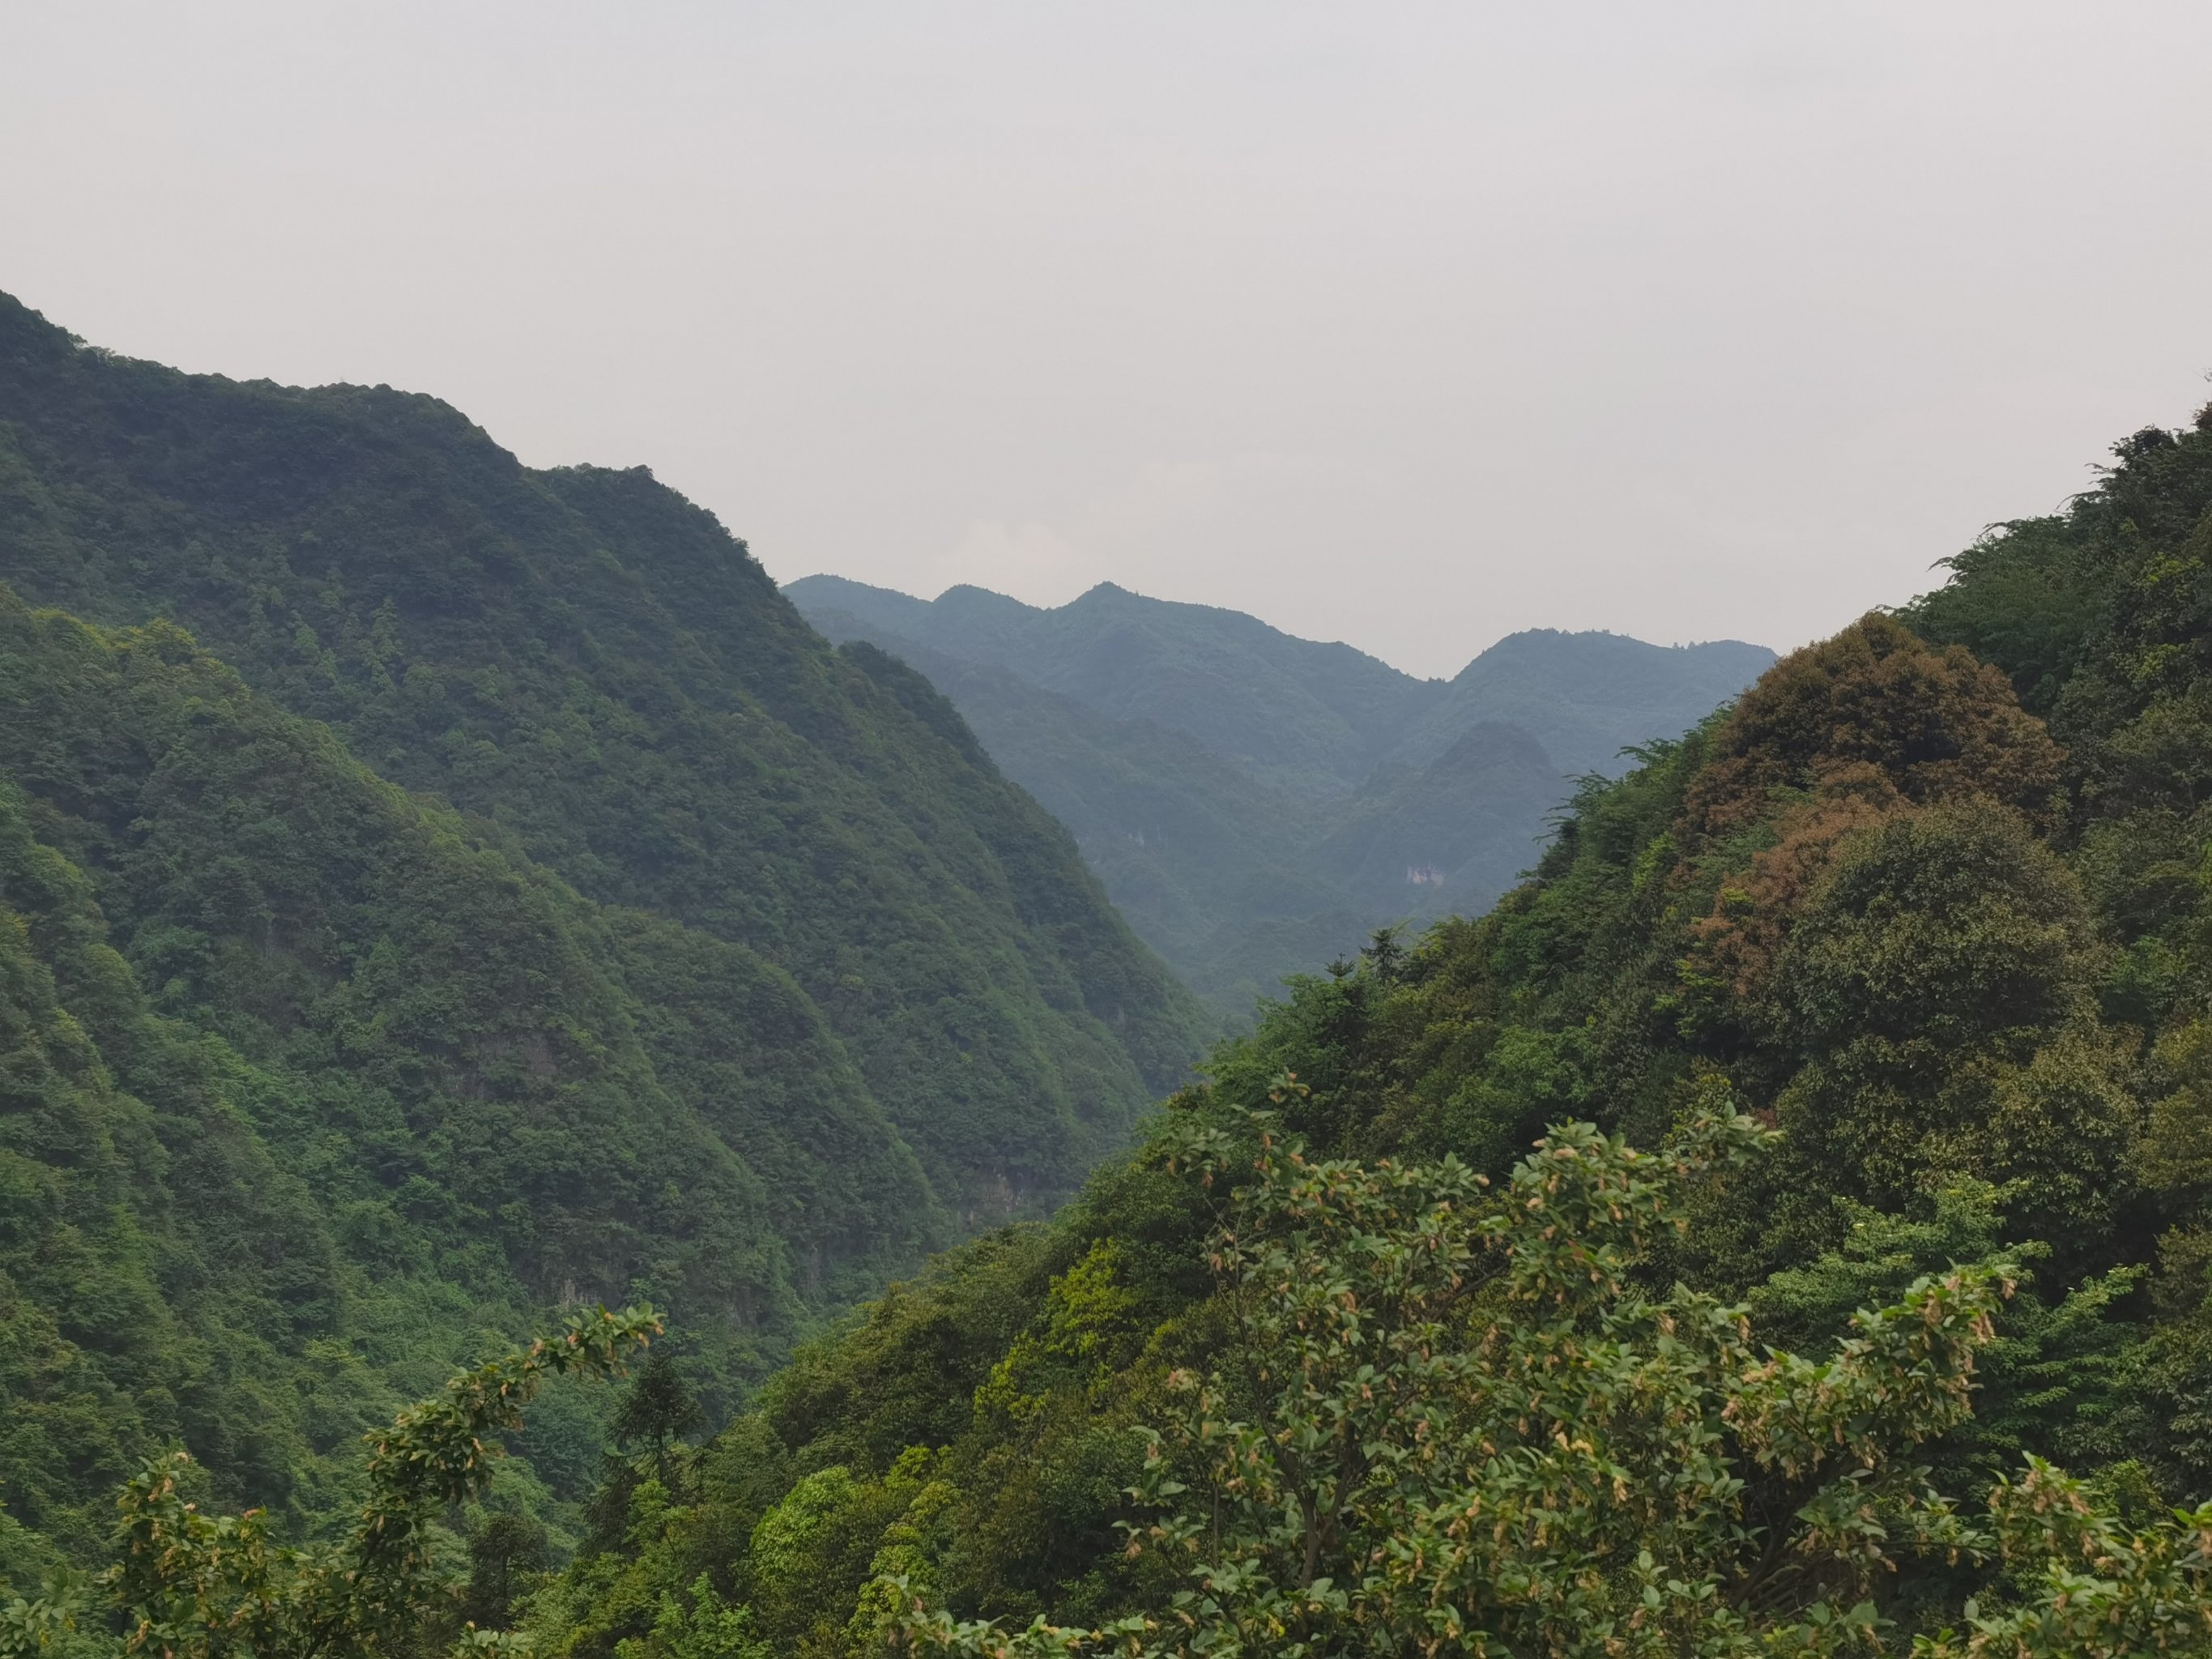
(1405, 324)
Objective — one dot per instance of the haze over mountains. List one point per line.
(1257, 804)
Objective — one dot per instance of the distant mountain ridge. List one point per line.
(1585, 696)
(1256, 803)
(1292, 710)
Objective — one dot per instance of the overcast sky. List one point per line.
(1404, 324)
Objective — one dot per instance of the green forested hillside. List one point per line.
(1929, 909)
(1256, 804)
(593, 664)
(313, 1064)
(465, 937)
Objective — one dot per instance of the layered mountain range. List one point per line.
(1257, 804)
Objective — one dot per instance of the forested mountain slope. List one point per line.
(1929, 906)
(524, 907)
(313, 1087)
(590, 662)
(1256, 803)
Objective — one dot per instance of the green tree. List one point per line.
(656, 1412)
(506, 1553)
(699, 1625)
(1450, 1422)
(1938, 985)
(195, 1586)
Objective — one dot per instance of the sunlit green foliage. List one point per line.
(1447, 1423)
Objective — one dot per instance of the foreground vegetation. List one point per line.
(197, 1586)
(1442, 1422)
(1436, 1421)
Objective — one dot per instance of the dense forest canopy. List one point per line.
(433, 893)
(1256, 804)
(589, 662)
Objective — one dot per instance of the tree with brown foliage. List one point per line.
(1939, 724)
